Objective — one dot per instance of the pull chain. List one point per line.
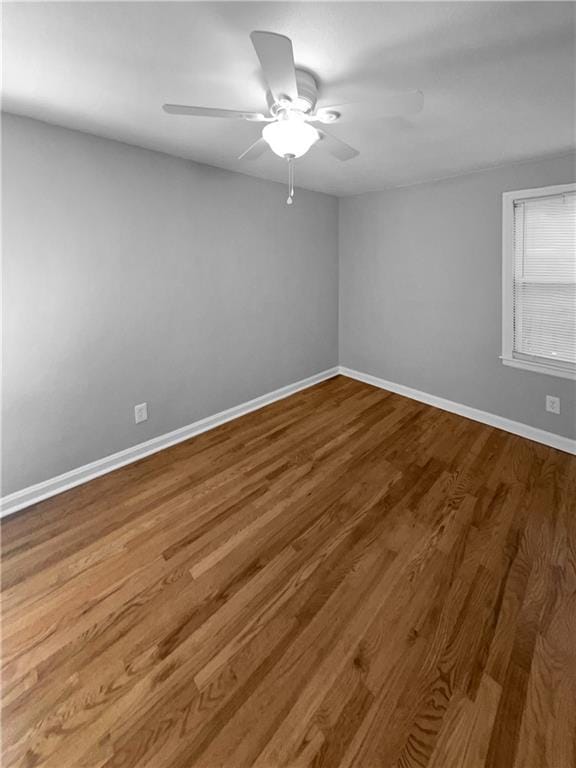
(290, 199)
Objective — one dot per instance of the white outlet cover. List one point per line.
(141, 412)
(552, 404)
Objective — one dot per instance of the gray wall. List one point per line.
(133, 276)
(420, 292)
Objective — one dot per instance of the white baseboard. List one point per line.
(35, 493)
(515, 427)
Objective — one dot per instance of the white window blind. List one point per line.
(544, 280)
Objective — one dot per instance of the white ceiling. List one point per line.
(498, 79)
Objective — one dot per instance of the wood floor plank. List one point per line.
(345, 578)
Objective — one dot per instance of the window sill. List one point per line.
(550, 370)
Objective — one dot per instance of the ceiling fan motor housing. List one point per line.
(307, 90)
(307, 95)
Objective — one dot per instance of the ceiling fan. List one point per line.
(292, 98)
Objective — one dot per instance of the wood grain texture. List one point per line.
(343, 578)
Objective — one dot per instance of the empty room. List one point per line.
(288, 422)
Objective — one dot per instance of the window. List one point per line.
(539, 280)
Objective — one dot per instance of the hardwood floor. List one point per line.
(344, 578)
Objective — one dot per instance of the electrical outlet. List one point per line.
(552, 404)
(141, 412)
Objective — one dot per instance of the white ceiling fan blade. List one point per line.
(384, 104)
(338, 148)
(183, 109)
(255, 150)
(277, 62)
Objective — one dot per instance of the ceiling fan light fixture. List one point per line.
(292, 137)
